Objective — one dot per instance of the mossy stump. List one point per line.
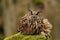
(19, 36)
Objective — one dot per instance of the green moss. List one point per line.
(34, 38)
(25, 37)
(36, 2)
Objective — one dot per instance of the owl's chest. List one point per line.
(32, 23)
(31, 26)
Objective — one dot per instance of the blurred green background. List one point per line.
(12, 10)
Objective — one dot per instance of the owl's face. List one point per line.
(34, 15)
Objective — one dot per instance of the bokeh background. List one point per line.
(12, 10)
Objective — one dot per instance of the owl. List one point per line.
(34, 24)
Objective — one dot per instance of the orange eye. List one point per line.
(37, 13)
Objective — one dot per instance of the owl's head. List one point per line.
(34, 14)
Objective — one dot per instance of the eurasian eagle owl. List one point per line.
(34, 24)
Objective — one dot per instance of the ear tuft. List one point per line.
(31, 12)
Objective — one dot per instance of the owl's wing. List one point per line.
(47, 23)
(21, 23)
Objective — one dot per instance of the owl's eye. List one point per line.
(37, 13)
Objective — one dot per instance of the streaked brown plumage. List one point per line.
(33, 24)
